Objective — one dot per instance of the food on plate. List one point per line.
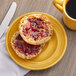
(23, 49)
(35, 29)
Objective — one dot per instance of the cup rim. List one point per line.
(64, 8)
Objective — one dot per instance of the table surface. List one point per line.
(67, 65)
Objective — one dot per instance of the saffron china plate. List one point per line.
(52, 52)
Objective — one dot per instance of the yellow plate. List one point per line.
(51, 53)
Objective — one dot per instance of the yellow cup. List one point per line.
(61, 6)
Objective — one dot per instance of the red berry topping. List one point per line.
(34, 28)
(24, 47)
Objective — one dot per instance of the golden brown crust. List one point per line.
(29, 39)
(21, 55)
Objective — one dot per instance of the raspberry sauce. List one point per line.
(36, 28)
(24, 47)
